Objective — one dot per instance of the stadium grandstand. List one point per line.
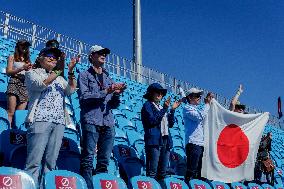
(127, 163)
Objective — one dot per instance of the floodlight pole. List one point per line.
(137, 44)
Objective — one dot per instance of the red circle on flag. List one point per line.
(232, 146)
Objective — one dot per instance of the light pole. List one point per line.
(137, 44)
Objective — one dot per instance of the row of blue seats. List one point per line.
(15, 178)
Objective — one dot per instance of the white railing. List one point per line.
(12, 27)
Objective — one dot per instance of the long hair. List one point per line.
(18, 54)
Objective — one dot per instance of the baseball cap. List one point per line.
(97, 48)
(193, 91)
(154, 87)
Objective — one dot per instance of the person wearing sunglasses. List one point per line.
(194, 115)
(18, 63)
(235, 104)
(156, 120)
(98, 95)
(47, 118)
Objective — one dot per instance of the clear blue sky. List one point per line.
(213, 44)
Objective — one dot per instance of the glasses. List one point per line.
(196, 96)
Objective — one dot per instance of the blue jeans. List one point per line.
(194, 155)
(157, 160)
(43, 143)
(103, 138)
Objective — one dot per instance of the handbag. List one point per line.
(268, 165)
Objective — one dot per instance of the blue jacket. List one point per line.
(95, 103)
(151, 120)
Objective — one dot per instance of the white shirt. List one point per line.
(193, 123)
(164, 123)
(50, 107)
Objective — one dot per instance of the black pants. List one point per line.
(194, 155)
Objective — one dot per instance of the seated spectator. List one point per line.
(156, 122)
(194, 116)
(18, 63)
(46, 117)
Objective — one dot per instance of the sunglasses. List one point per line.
(196, 96)
(50, 56)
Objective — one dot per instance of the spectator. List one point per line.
(235, 105)
(193, 117)
(17, 65)
(46, 118)
(98, 95)
(156, 122)
(263, 154)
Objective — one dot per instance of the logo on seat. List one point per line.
(65, 182)
(109, 184)
(175, 185)
(144, 185)
(10, 181)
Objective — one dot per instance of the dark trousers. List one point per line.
(157, 160)
(103, 138)
(194, 155)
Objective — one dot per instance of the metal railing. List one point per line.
(12, 27)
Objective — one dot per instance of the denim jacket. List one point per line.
(151, 120)
(95, 103)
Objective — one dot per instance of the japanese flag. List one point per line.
(231, 142)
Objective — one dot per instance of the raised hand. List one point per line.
(73, 63)
(176, 104)
(167, 102)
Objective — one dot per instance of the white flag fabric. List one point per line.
(231, 142)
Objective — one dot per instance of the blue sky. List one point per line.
(213, 44)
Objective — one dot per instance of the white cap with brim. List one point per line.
(193, 91)
(97, 48)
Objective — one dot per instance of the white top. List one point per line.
(50, 107)
(34, 82)
(193, 123)
(17, 65)
(164, 123)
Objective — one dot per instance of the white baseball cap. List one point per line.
(97, 48)
(193, 91)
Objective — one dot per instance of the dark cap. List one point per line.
(154, 87)
(53, 43)
(55, 51)
(23, 42)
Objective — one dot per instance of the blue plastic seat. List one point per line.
(219, 185)
(139, 182)
(63, 179)
(174, 183)
(252, 185)
(20, 117)
(15, 178)
(128, 160)
(238, 185)
(120, 137)
(199, 184)
(267, 186)
(104, 180)
(11, 141)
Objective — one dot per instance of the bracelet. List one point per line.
(57, 72)
(71, 73)
(239, 93)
